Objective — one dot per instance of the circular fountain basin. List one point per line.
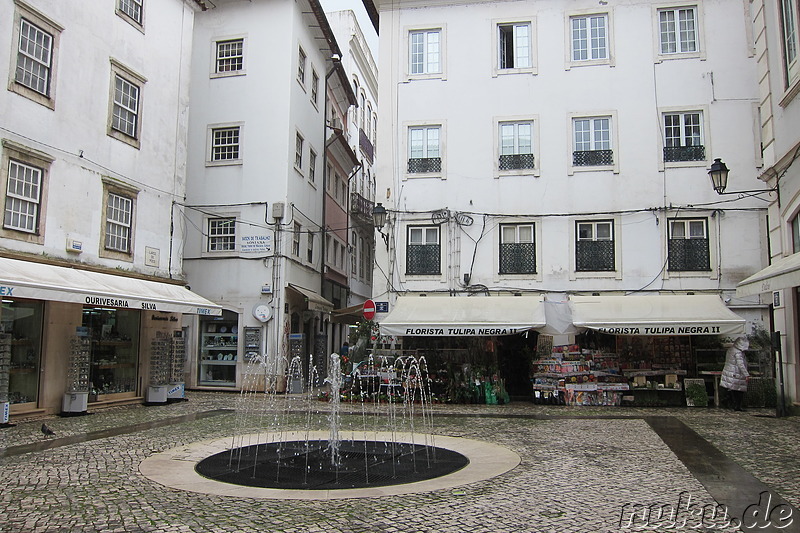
(311, 465)
(177, 468)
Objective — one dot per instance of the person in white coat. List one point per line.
(735, 374)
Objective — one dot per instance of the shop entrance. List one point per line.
(20, 352)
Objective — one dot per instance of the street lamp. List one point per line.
(379, 218)
(379, 215)
(719, 179)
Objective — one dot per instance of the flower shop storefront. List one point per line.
(635, 349)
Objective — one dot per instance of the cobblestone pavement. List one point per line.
(579, 467)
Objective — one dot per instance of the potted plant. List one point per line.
(696, 395)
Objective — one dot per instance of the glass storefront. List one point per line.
(219, 348)
(114, 358)
(21, 332)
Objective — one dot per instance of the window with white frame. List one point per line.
(678, 30)
(683, 136)
(312, 165)
(425, 51)
(594, 246)
(226, 144)
(517, 249)
(362, 263)
(688, 245)
(296, 239)
(516, 145)
(310, 247)
(314, 86)
(795, 227)
(230, 56)
(125, 108)
(301, 66)
(362, 111)
(132, 9)
(354, 254)
(34, 56)
(424, 149)
(592, 141)
(589, 37)
(119, 217)
(221, 234)
(789, 40)
(298, 152)
(423, 251)
(514, 45)
(23, 197)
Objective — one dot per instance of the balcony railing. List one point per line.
(518, 258)
(515, 161)
(366, 145)
(592, 158)
(360, 206)
(684, 153)
(594, 256)
(423, 165)
(423, 259)
(688, 255)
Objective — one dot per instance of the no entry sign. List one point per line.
(369, 310)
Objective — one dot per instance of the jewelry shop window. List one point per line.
(114, 356)
(219, 348)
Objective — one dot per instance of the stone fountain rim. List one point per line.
(175, 467)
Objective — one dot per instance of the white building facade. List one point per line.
(359, 185)
(555, 149)
(776, 30)
(262, 77)
(93, 157)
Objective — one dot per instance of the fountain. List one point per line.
(386, 440)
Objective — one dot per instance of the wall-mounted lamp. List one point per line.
(719, 179)
(379, 218)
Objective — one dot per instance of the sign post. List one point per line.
(369, 310)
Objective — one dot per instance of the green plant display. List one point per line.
(697, 395)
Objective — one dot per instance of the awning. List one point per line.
(348, 315)
(39, 281)
(663, 314)
(466, 316)
(781, 274)
(314, 300)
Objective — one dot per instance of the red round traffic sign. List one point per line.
(369, 310)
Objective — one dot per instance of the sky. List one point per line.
(361, 15)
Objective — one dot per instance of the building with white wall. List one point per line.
(93, 157)
(263, 81)
(776, 30)
(555, 149)
(359, 186)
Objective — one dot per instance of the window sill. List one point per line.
(124, 16)
(685, 164)
(601, 274)
(680, 55)
(32, 95)
(533, 276)
(231, 74)
(435, 76)
(597, 168)
(791, 92)
(23, 236)
(118, 135)
(531, 71)
(533, 172)
(589, 63)
(116, 254)
(414, 175)
(222, 254)
(226, 163)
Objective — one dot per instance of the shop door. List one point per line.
(20, 352)
(114, 356)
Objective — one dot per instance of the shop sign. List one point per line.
(453, 332)
(662, 330)
(6, 413)
(6, 291)
(381, 307)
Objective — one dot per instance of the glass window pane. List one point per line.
(526, 234)
(585, 231)
(678, 229)
(697, 229)
(431, 236)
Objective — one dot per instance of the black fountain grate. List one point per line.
(301, 465)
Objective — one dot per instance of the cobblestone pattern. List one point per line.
(575, 474)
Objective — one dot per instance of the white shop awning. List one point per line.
(39, 281)
(663, 314)
(465, 316)
(314, 300)
(781, 274)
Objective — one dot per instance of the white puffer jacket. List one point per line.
(735, 374)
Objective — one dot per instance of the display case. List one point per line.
(219, 347)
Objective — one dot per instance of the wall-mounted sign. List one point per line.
(262, 312)
(255, 244)
(152, 256)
